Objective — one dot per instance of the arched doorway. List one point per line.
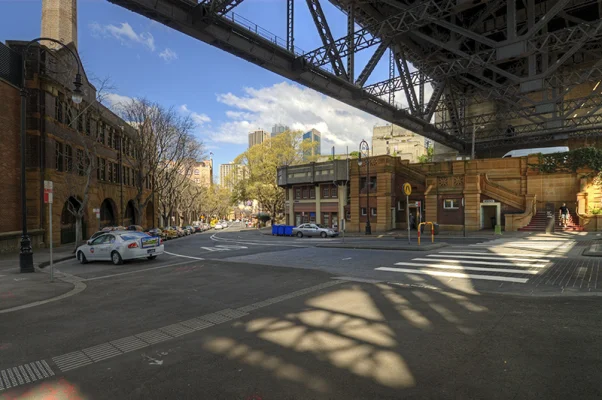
(68, 221)
(107, 213)
(130, 214)
(150, 214)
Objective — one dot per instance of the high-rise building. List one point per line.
(59, 21)
(230, 174)
(277, 129)
(257, 137)
(397, 141)
(314, 137)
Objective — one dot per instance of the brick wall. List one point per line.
(10, 212)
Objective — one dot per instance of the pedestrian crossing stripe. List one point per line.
(448, 266)
(485, 253)
(456, 275)
(489, 258)
(501, 264)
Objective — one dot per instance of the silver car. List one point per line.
(118, 246)
(314, 230)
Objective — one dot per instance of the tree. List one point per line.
(81, 162)
(428, 157)
(354, 154)
(216, 202)
(161, 153)
(261, 162)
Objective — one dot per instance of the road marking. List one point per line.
(27, 373)
(348, 258)
(455, 275)
(224, 247)
(491, 258)
(448, 266)
(134, 272)
(484, 253)
(183, 256)
(518, 264)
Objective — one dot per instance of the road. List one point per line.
(240, 315)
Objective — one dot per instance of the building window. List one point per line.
(111, 136)
(68, 158)
(80, 123)
(363, 211)
(81, 166)
(372, 183)
(334, 191)
(326, 192)
(305, 192)
(58, 110)
(363, 185)
(88, 124)
(298, 193)
(373, 212)
(68, 116)
(100, 136)
(102, 169)
(312, 192)
(110, 172)
(451, 204)
(58, 146)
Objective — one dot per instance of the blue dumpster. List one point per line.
(288, 230)
(280, 230)
(274, 229)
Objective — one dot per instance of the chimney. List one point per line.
(59, 21)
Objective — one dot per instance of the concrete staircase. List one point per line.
(539, 223)
(500, 193)
(571, 226)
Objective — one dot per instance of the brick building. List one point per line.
(57, 133)
(315, 192)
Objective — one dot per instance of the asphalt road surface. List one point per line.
(239, 315)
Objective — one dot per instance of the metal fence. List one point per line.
(10, 65)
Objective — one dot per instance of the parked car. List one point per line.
(169, 232)
(179, 230)
(120, 246)
(190, 229)
(137, 228)
(218, 226)
(314, 230)
(156, 232)
(198, 228)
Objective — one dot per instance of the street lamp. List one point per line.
(365, 152)
(25, 252)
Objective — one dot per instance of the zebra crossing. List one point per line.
(542, 245)
(477, 265)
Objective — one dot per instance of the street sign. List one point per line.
(48, 192)
(407, 189)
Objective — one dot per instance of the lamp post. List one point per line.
(26, 253)
(365, 152)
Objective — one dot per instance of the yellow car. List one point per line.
(170, 233)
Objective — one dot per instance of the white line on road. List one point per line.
(492, 254)
(455, 275)
(348, 258)
(491, 258)
(135, 272)
(447, 266)
(183, 256)
(510, 264)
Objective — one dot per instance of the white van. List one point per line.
(542, 150)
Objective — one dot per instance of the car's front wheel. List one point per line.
(116, 258)
(299, 234)
(81, 257)
(323, 235)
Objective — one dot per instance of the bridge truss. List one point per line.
(506, 71)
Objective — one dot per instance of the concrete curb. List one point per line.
(78, 287)
(44, 264)
(426, 247)
(595, 250)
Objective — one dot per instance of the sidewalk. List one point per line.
(386, 245)
(20, 290)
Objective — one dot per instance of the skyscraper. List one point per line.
(314, 137)
(230, 174)
(257, 137)
(277, 129)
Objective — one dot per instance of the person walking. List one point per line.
(564, 215)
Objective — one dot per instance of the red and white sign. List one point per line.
(47, 192)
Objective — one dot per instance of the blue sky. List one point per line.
(225, 95)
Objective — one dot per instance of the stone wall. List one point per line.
(10, 212)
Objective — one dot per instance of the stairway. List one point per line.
(500, 193)
(571, 226)
(539, 223)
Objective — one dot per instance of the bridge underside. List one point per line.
(508, 71)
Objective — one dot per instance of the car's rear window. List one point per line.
(133, 235)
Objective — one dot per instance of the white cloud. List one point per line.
(124, 33)
(298, 107)
(168, 55)
(113, 100)
(198, 119)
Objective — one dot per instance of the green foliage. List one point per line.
(354, 154)
(428, 157)
(263, 217)
(571, 161)
(595, 211)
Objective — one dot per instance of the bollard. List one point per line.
(419, 234)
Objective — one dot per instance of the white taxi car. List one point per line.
(117, 246)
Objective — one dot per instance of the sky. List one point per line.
(226, 96)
